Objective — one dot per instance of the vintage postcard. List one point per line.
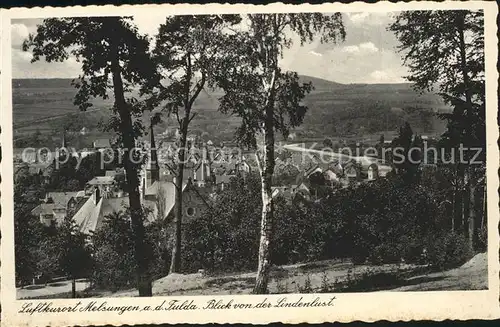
(249, 163)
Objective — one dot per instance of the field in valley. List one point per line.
(335, 110)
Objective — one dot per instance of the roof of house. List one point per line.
(285, 191)
(114, 172)
(350, 168)
(80, 201)
(223, 178)
(61, 198)
(336, 169)
(101, 180)
(384, 169)
(91, 215)
(59, 202)
(313, 169)
(302, 186)
(46, 208)
(80, 194)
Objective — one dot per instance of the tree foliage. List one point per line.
(28, 235)
(255, 79)
(407, 154)
(385, 221)
(113, 250)
(88, 39)
(430, 43)
(444, 50)
(75, 258)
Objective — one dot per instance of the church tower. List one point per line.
(152, 166)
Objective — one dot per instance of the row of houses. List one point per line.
(204, 174)
(39, 163)
(336, 173)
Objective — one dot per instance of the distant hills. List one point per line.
(323, 85)
(335, 109)
(41, 83)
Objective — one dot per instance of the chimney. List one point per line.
(63, 143)
(96, 196)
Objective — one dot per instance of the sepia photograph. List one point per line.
(248, 153)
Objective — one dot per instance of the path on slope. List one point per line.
(472, 275)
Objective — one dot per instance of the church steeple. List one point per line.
(153, 168)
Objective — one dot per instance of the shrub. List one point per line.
(325, 283)
(281, 286)
(447, 250)
(386, 253)
(226, 238)
(115, 264)
(307, 288)
(371, 280)
(379, 222)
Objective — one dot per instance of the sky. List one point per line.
(368, 54)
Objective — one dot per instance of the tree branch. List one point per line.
(192, 116)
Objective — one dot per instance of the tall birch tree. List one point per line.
(268, 99)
